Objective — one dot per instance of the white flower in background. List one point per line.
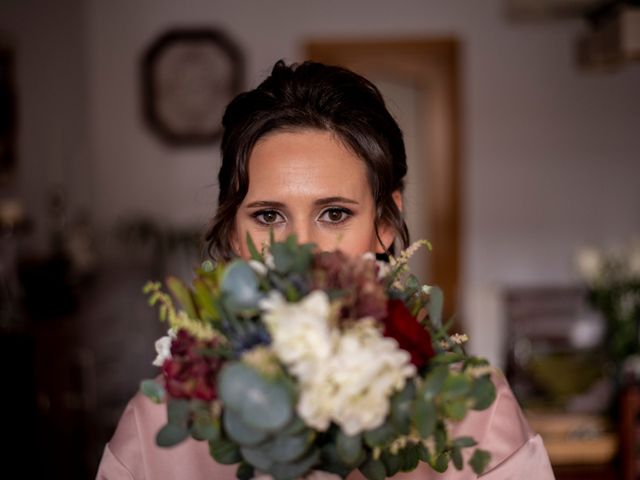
(353, 386)
(300, 333)
(163, 348)
(590, 263)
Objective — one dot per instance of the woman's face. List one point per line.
(308, 183)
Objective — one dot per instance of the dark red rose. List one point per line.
(407, 331)
(189, 373)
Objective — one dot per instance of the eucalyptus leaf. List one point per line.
(288, 448)
(479, 461)
(424, 416)
(410, 458)
(171, 434)
(178, 411)
(373, 469)
(295, 426)
(440, 463)
(440, 437)
(401, 408)
(456, 456)
(224, 451)
(245, 471)
(464, 442)
(434, 382)
(291, 471)
(456, 385)
(348, 447)
(483, 392)
(391, 462)
(239, 431)
(262, 403)
(381, 436)
(283, 258)
(153, 390)
(423, 453)
(240, 286)
(267, 405)
(205, 427)
(456, 409)
(233, 381)
(257, 457)
(332, 463)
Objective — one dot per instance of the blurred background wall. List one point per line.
(550, 153)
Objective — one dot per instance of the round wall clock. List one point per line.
(188, 78)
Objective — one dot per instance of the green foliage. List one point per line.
(171, 434)
(381, 436)
(245, 471)
(204, 426)
(436, 303)
(253, 251)
(483, 392)
(424, 416)
(240, 287)
(401, 404)
(183, 294)
(373, 469)
(392, 462)
(224, 451)
(261, 403)
(153, 390)
(349, 447)
(479, 461)
(410, 457)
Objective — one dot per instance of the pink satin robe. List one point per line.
(516, 451)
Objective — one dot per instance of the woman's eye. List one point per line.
(267, 217)
(335, 215)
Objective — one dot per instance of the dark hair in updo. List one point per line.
(310, 96)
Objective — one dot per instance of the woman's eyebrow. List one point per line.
(266, 204)
(329, 200)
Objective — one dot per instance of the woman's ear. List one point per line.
(386, 231)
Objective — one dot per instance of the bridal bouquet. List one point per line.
(296, 361)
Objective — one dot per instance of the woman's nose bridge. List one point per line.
(304, 231)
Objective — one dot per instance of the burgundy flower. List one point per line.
(190, 372)
(362, 294)
(407, 331)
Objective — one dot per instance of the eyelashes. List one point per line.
(267, 217)
(331, 216)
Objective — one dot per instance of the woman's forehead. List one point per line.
(305, 164)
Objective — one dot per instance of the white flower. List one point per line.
(346, 377)
(353, 387)
(163, 348)
(590, 263)
(300, 331)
